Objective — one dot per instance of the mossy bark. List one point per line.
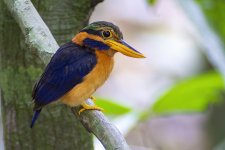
(20, 66)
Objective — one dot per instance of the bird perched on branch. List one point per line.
(80, 67)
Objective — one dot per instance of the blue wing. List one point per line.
(69, 65)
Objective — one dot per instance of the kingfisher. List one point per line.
(80, 67)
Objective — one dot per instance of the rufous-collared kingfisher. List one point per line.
(80, 67)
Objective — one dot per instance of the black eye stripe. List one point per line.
(106, 33)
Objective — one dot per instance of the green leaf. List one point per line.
(192, 95)
(152, 2)
(214, 12)
(112, 108)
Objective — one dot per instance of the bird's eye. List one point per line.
(106, 34)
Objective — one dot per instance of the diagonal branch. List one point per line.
(38, 36)
(33, 27)
(99, 125)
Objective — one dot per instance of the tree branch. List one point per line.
(33, 27)
(99, 125)
(38, 36)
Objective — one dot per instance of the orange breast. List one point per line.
(91, 82)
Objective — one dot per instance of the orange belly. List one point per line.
(91, 82)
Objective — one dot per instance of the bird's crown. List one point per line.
(104, 29)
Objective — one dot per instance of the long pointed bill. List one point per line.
(124, 48)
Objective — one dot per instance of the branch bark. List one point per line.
(36, 32)
(99, 125)
(38, 36)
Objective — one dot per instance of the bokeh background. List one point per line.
(174, 98)
(169, 97)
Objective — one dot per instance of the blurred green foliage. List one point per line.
(112, 108)
(191, 95)
(214, 12)
(152, 2)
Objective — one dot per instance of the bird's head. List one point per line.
(105, 36)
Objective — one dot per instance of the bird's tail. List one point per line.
(35, 116)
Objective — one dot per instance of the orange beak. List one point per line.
(124, 48)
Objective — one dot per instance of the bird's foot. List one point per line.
(89, 107)
(93, 98)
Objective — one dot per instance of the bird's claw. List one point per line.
(89, 107)
(93, 98)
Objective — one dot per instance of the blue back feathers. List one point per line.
(69, 65)
(67, 68)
